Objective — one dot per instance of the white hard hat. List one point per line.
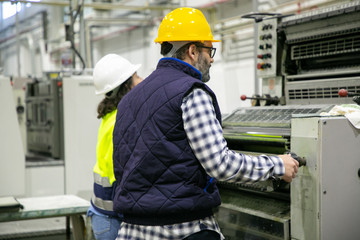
(111, 71)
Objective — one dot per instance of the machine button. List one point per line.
(265, 36)
(262, 66)
(267, 26)
(264, 56)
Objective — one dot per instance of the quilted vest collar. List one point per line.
(179, 65)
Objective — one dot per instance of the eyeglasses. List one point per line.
(211, 52)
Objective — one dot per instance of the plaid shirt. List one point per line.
(205, 137)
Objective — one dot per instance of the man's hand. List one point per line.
(291, 167)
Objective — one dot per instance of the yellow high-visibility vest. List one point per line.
(104, 148)
(103, 169)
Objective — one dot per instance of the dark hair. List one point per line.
(165, 48)
(180, 53)
(108, 105)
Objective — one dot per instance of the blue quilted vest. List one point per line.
(159, 179)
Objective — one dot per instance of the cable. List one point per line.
(71, 31)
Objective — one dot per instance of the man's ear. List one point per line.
(193, 52)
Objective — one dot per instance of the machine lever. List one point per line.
(345, 93)
(301, 160)
(265, 100)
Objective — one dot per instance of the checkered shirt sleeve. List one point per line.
(178, 231)
(206, 139)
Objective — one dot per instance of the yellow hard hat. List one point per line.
(184, 24)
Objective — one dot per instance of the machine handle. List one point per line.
(265, 100)
(345, 93)
(301, 160)
(277, 181)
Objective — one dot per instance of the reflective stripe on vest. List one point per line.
(106, 205)
(102, 181)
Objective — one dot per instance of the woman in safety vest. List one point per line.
(114, 76)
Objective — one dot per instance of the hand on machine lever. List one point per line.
(292, 162)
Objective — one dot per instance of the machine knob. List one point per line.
(267, 100)
(265, 37)
(268, 46)
(267, 26)
(264, 56)
(301, 160)
(343, 92)
(20, 109)
(262, 66)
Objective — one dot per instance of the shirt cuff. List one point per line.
(279, 168)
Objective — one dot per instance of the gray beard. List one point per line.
(203, 68)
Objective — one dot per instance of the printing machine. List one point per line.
(62, 129)
(44, 116)
(304, 61)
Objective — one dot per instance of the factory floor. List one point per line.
(49, 237)
(39, 229)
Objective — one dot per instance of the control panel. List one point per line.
(266, 50)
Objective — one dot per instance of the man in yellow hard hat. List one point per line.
(169, 146)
